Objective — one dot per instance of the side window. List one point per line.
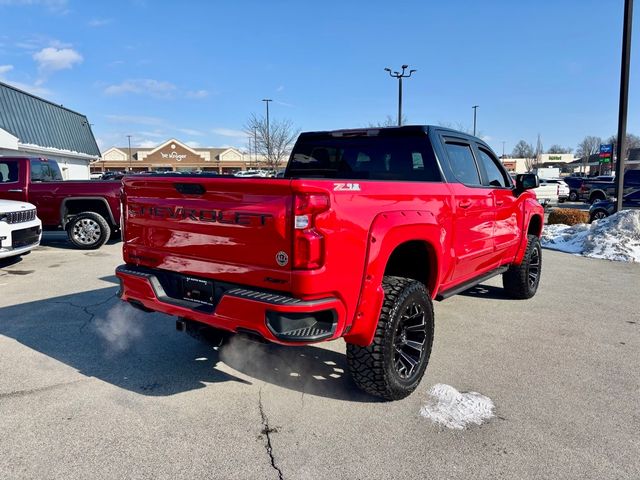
(9, 172)
(462, 163)
(37, 175)
(495, 177)
(56, 175)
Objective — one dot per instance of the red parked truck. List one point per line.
(364, 230)
(88, 210)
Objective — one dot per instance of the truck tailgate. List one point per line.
(230, 229)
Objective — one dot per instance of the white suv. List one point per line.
(20, 228)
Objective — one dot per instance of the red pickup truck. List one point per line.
(88, 210)
(364, 230)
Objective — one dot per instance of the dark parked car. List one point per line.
(574, 187)
(604, 208)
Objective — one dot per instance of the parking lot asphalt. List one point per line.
(91, 389)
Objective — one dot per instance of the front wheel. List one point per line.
(573, 196)
(88, 231)
(521, 281)
(393, 365)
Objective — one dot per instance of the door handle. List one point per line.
(464, 203)
(499, 202)
(15, 190)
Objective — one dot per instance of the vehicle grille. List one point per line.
(20, 217)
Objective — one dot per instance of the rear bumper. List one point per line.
(276, 317)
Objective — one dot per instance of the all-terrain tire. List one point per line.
(406, 315)
(521, 281)
(88, 231)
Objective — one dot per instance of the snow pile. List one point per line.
(450, 408)
(613, 238)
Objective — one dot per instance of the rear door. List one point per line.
(230, 229)
(508, 220)
(474, 212)
(13, 179)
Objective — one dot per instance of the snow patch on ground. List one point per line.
(453, 409)
(613, 238)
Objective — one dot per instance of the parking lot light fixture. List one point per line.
(400, 76)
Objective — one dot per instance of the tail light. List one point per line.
(558, 190)
(308, 242)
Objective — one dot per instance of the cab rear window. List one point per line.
(364, 157)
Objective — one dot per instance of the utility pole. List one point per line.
(267, 100)
(475, 108)
(400, 76)
(624, 101)
(129, 138)
(503, 142)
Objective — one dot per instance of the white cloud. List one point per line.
(137, 119)
(147, 144)
(32, 89)
(193, 144)
(58, 6)
(99, 22)
(190, 131)
(229, 132)
(197, 94)
(143, 86)
(486, 138)
(51, 59)
(280, 88)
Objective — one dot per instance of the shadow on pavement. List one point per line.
(58, 239)
(143, 353)
(486, 291)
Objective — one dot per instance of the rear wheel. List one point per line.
(596, 197)
(573, 196)
(88, 231)
(599, 215)
(393, 365)
(521, 281)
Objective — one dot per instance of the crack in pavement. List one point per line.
(267, 431)
(85, 309)
(22, 393)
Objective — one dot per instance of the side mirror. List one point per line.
(526, 181)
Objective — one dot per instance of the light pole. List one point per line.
(475, 108)
(400, 76)
(129, 138)
(503, 142)
(624, 100)
(267, 100)
(255, 144)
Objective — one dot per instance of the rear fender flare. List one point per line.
(388, 231)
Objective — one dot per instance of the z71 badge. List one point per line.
(346, 187)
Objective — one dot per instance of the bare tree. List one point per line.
(590, 145)
(275, 144)
(524, 150)
(389, 121)
(559, 149)
(539, 151)
(632, 141)
(460, 127)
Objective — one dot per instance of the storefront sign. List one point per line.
(173, 156)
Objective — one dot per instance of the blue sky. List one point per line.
(196, 70)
